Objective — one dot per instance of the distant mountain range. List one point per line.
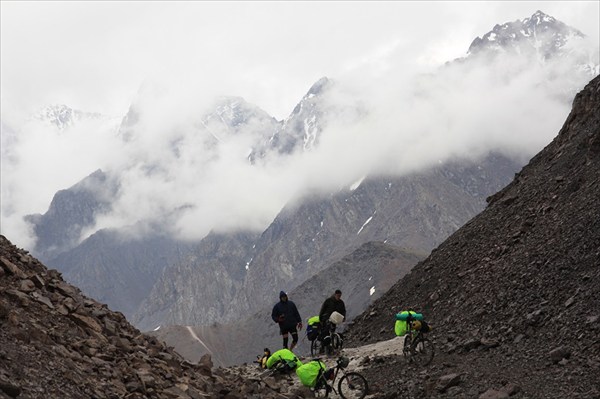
(512, 296)
(159, 280)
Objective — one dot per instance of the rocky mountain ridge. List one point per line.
(71, 212)
(541, 33)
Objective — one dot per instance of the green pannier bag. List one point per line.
(285, 355)
(401, 326)
(309, 372)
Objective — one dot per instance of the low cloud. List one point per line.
(464, 110)
(391, 114)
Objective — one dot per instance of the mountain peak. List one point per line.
(59, 114)
(319, 86)
(541, 33)
(303, 124)
(541, 16)
(63, 116)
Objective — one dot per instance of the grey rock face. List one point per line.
(200, 287)
(417, 212)
(119, 270)
(70, 213)
(302, 129)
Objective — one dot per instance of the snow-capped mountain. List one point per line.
(235, 116)
(296, 245)
(302, 128)
(63, 117)
(212, 125)
(236, 113)
(540, 34)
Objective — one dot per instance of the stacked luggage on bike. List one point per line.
(322, 380)
(417, 347)
(322, 335)
(410, 319)
(310, 372)
(403, 320)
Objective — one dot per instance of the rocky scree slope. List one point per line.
(57, 343)
(514, 295)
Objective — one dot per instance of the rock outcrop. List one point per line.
(57, 343)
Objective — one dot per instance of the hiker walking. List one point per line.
(286, 315)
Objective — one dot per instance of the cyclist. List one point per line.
(287, 316)
(332, 304)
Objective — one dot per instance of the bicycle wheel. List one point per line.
(353, 386)
(322, 388)
(406, 347)
(315, 347)
(422, 351)
(336, 341)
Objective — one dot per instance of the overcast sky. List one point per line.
(95, 56)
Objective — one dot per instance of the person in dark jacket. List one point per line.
(332, 304)
(286, 315)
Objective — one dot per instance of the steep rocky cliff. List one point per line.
(514, 294)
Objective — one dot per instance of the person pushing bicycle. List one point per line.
(332, 304)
